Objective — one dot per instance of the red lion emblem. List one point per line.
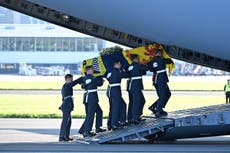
(150, 50)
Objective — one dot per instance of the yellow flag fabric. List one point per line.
(102, 64)
(146, 54)
(98, 66)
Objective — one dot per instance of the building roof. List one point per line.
(37, 30)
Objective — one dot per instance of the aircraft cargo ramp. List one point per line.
(198, 122)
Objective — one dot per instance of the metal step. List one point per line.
(196, 122)
(210, 115)
(148, 127)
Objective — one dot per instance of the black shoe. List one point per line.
(142, 120)
(88, 134)
(123, 124)
(63, 140)
(109, 128)
(164, 113)
(116, 127)
(135, 122)
(158, 114)
(80, 132)
(150, 108)
(100, 130)
(70, 139)
(153, 110)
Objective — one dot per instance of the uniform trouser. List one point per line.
(92, 108)
(138, 104)
(66, 124)
(130, 117)
(118, 110)
(154, 105)
(81, 130)
(142, 104)
(99, 116)
(227, 97)
(109, 124)
(164, 95)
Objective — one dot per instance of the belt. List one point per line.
(91, 90)
(161, 71)
(114, 85)
(87, 94)
(134, 78)
(67, 97)
(158, 72)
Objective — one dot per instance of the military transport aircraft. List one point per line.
(194, 31)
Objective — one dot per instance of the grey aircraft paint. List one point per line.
(198, 25)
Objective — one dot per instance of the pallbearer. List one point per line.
(67, 106)
(118, 105)
(158, 65)
(135, 87)
(99, 115)
(90, 85)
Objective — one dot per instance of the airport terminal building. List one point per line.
(29, 43)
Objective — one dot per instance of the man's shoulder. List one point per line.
(114, 70)
(137, 64)
(156, 59)
(65, 85)
(86, 77)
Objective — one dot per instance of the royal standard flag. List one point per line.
(103, 64)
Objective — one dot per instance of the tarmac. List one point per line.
(41, 135)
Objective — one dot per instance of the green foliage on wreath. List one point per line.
(111, 50)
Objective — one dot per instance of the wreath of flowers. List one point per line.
(111, 50)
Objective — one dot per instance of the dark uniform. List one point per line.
(154, 105)
(99, 115)
(66, 107)
(158, 65)
(109, 120)
(90, 84)
(130, 106)
(118, 105)
(136, 70)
